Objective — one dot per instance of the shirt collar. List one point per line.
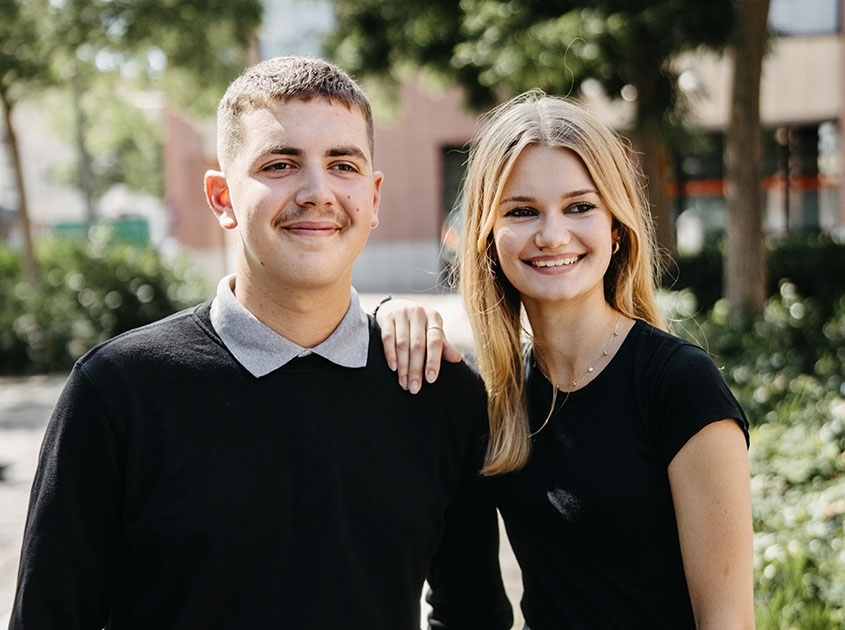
(261, 350)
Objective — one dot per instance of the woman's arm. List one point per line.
(710, 483)
(414, 342)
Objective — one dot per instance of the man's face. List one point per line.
(301, 193)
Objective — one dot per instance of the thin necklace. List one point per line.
(592, 368)
(574, 382)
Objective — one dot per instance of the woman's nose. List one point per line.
(552, 232)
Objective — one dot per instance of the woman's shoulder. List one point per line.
(652, 335)
(662, 347)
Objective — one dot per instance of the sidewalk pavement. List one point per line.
(25, 406)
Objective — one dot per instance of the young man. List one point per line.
(251, 463)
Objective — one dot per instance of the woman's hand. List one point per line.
(414, 342)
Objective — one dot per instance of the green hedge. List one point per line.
(788, 371)
(813, 263)
(87, 292)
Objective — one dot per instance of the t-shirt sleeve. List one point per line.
(690, 393)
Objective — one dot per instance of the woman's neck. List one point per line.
(572, 346)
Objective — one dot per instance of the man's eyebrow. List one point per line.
(338, 151)
(346, 150)
(282, 149)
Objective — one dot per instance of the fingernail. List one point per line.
(430, 376)
(392, 365)
(415, 387)
(403, 382)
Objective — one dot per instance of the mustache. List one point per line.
(299, 213)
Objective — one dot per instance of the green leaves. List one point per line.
(90, 291)
(492, 47)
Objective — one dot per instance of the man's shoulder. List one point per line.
(161, 337)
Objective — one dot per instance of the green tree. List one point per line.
(23, 69)
(189, 48)
(494, 49)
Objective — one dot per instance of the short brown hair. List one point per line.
(283, 79)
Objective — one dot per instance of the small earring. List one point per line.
(616, 247)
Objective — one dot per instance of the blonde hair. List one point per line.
(283, 79)
(493, 305)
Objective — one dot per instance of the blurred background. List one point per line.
(735, 110)
(109, 110)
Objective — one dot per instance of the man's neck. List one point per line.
(305, 317)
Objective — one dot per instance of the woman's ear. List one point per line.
(219, 200)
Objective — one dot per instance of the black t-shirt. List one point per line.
(591, 518)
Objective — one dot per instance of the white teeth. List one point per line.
(555, 263)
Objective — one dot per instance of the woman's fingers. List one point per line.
(414, 342)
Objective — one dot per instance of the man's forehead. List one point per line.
(297, 117)
(315, 127)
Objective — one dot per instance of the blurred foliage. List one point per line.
(24, 66)
(88, 292)
(125, 142)
(488, 46)
(788, 371)
(190, 48)
(104, 55)
(813, 263)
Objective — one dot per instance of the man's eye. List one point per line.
(348, 168)
(277, 166)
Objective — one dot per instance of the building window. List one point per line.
(804, 17)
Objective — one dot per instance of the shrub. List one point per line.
(87, 293)
(813, 263)
(788, 371)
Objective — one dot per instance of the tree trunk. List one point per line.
(650, 134)
(30, 265)
(656, 166)
(745, 254)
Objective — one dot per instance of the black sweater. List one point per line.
(175, 490)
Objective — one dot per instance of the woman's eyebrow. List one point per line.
(567, 195)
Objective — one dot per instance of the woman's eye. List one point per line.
(520, 212)
(581, 207)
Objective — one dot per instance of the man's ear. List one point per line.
(217, 196)
(378, 178)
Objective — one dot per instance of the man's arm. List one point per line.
(67, 569)
(465, 579)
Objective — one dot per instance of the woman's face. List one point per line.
(553, 234)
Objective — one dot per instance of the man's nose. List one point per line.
(314, 189)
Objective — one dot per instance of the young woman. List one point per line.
(617, 452)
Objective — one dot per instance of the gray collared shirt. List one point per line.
(262, 350)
